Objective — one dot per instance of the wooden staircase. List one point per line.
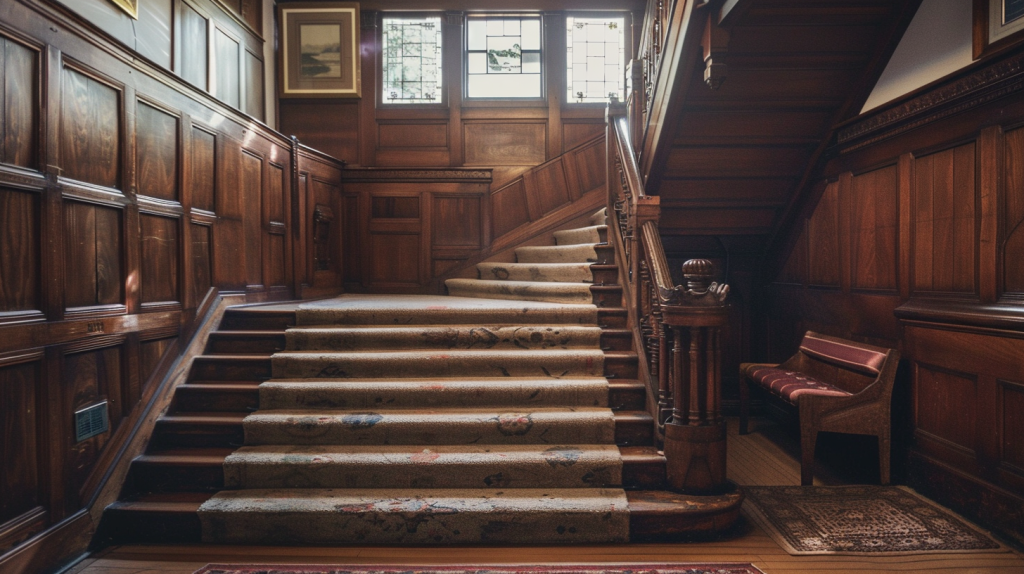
(183, 464)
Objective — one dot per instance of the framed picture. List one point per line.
(319, 49)
(997, 25)
(131, 7)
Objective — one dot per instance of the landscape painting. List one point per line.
(320, 50)
(319, 55)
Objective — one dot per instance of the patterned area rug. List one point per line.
(860, 520)
(703, 568)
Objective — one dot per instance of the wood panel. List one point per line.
(873, 219)
(945, 237)
(202, 274)
(456, 221)
(253, 92)
(945, 404)
(226, 66)
(1013, 213)
(93, 255)
(20, 484)
(575, 133)
(19, 251)
(160, 274)
(1011, 429)
(90, 377)
(194, 41)
(823, 239)
(150, 354)
(19, 100)
(547, 188)
(395, 258)
(90, 136)
(412, 135)
(251, 183)
(156, 155)
(204, 165)
(590, 166)
(275, 265)
(509, 206)
(504, 143)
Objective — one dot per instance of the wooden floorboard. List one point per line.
(765, 457)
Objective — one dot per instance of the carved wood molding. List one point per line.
(963, 315)
(444, 175)
(974, 89)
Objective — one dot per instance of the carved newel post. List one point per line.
(695, 432)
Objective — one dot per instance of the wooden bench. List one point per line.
(837, 386)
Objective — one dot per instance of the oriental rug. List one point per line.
(699, 568)
(807, 520)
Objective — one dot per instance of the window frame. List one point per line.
(483, 101)
(627, 53)
(380, 71)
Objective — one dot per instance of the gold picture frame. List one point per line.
(130, 7)
(319, 55)
(997, 25)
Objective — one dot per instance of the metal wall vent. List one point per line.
(91, 421)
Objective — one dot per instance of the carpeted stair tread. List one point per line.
(600, 217)
(427, 516)
(557, 254)
(591, 234)
(439, 310)
(557, 292)
(433, 363)
(441, 466)
(561, 272)
(433, 393)
(583, 425)
(443, 337)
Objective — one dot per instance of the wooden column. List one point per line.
(695, 435)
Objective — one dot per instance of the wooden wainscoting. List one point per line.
(127, 194)
(915, 242)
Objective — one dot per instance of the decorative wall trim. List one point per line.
(974, 89)
(443, 175)
(970, 316)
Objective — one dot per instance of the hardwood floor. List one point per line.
(767, 456)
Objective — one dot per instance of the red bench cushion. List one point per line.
(844, 355)
(790, 384)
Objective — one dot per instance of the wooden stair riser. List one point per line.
(606, 295)
(620, 365)
(612, 318)
(245, 342)
(256, 320)
(230, 368)
(150, 474)
(176, 431)
(211, 397)
(605, 274)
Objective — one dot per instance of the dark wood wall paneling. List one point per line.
(508, 136)
(916, 242)
(125, 196)
(404, 227)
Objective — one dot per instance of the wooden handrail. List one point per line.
(676, 328)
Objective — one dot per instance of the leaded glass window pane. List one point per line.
(503, 57)
(412, 60)
(596, 59)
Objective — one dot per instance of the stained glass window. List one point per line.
(412, 60)
(596, 59)
(503, 57)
